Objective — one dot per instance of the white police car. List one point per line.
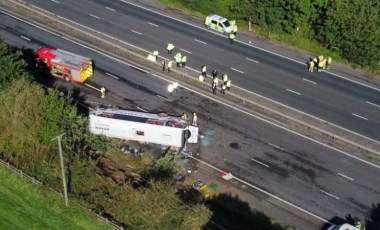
(218, 23)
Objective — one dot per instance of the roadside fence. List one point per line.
(37, 182)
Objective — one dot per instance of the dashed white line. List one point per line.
(252, 60)
(26, 38)
(200, 41)
(372, 104)
(92, 87)
(186, 51)
(94, 16)
(276, 146)
(108, 8)
(299, 111)
(263, 191)
(293, 91)
(329, 194)
(55, 1)
(361, 117)
(347, 177)
(259, 162)
(113, 76)
(274, 124)
(281, 127)
(134, 31)
(237, 70)
(152, 24)
(141, 109)
(162, 97)
(211, 98)
(312, 82)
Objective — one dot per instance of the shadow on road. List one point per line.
(41, 74)
(231, 213)
(373, 223)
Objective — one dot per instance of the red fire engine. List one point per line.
(66, 65)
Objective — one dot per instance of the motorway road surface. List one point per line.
(345, 103)
(298, 170)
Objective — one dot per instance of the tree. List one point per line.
(19, 121)
(353, 28)
(12, 66)
(54, 114)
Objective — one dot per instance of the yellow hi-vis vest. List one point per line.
(201, 78)
(235, 28)
(215, 80)
(225, 77)
(195, 118)
(170, 46)
(203, 69)
(228, 84)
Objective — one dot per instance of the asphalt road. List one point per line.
(307, 174)
(347, 104)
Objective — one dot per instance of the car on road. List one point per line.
(342, 227)
(218, 23)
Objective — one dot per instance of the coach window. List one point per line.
(140, 133)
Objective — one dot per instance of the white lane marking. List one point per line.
(104, 54)
(276, 146)
(94, 16)
(200, 41)
(141, 109)
(364, 118)
(237, 70)
(108, 8)
(26, 38)
(142, 70)
(293, 91)
(267, 51)
(78, 24)
(210, 98)
(55, 1)
(259, 162)
(252, 60)
(186, 51)
(299, 111)
(329, 194)
(92, 87)
(263, 191)
(353, 81)
(372, 104)
(347, 177)
(152, 24)
(121, 41)
(312, 82)
(80, 44)
(113, 76)
(162, 97)
(274, 124)
(136, 32)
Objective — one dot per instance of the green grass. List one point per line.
(24, 205)
(296, 40)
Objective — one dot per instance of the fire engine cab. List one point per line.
(69, 66)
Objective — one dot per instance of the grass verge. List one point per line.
(26, 206)
(295, 40)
